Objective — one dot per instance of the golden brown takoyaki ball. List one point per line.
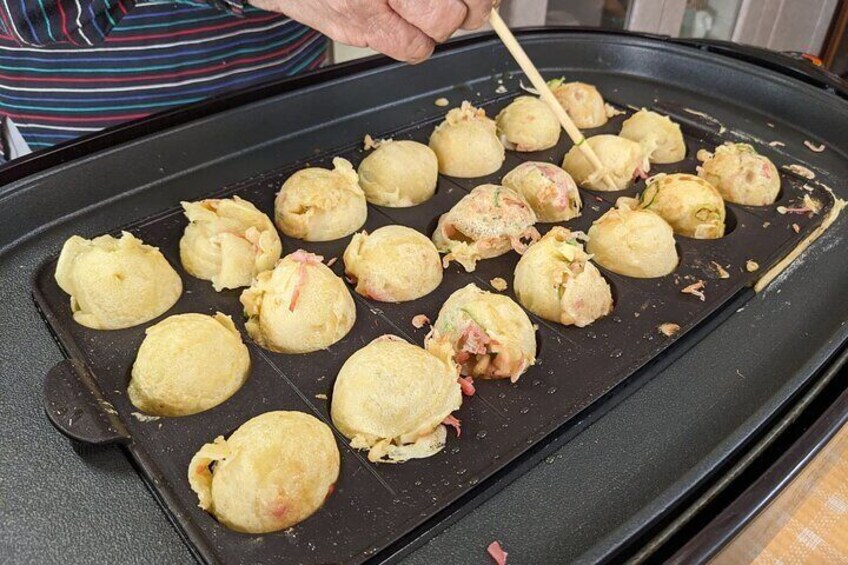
(556, 281)
(740, 174)
(391, 398)
(582, 101)
(399, 174)
(393, 264)
(188, 363)
(528, 124)
(633, 242)
(486, 223)
(466, 143)
(116, 283)
(490, 335)
(660, 137)
(273, 472)
(692, 206)
(622, 159)
(317, 204)
(549, 190)
(228, 241)
(300, 306)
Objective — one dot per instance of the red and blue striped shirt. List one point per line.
(68, 67)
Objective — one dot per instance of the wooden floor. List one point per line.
(807, 522)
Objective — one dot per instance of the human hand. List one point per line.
(407, 30)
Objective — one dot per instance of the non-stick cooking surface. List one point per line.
(374, 505)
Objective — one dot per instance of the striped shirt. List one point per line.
(68, 67)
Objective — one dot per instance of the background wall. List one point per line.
(782, 25)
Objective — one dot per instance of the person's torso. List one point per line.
(160, 55)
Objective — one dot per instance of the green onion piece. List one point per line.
(653, 196)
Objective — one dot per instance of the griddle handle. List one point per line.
(76, 408)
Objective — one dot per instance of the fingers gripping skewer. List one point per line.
(545, 93)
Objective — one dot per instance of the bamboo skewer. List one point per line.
(545, 93)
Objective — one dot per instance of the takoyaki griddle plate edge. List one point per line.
(578, 367)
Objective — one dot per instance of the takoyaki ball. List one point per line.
(549, 190)
(528, 124)
(622, 158)
(188, 363)
(317, 204)
(486, 223)
(391, 398)
(740, 174)
(556, 281)
(633, 242)
(116, 283)
(300, 306)
(692, 206)
(466, 143)
(393, 264)
(660, 137)
(399, 174)
(228, 241)
(273, 472)
(583, 102)
(490, 335)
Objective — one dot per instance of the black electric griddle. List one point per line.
(613, 85)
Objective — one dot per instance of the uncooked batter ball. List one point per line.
(549, 190)
(556, 281)
(622, 158)
(393, 264)
(740, 174)
(188, 363)
(300, 306)
(692, 206)
(228, 241)
(317, 204)
(466, 143)
(528, 124)
(486, 223)
(582, 101)
(116, 283)
(660, 137)
(399, 174)
(489, 334)
(633, 242)
(391, 398)
(273, 472)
